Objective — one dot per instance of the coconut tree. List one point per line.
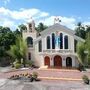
(23, 50)
(18, 51)
(87, 44)
(80, 52)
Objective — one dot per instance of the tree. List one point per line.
(19, 50)
(87, 29)
(41, 27)
(22, 27)
(7, 38)
(80, 31)
(17, 33)
(80, 52)
(87, 44)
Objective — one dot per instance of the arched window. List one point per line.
(40, 46)
(61, 41)
(66, 42)
(30, 41)
(69, 62)
(75, 45)
(53, 41)
(29, 56)
(48, 42)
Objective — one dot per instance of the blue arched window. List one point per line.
(48, 42)
(53, 41)
(30, 41)
(66, 42)
(40, 46)
(61, 41)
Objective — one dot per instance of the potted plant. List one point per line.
(85, 79)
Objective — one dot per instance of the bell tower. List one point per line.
(31, 26)
(30, 34)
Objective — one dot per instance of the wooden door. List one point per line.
(47, 61)
(57, 61)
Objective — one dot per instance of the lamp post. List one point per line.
(86, 52)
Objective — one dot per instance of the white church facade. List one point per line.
(54, 47)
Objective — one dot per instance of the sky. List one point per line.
(70, 12)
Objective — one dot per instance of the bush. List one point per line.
(35, 75)
(29, 63)
(85, 79)
(17, 65)
(81, 68)
(26, 77)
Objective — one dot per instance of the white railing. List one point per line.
(58, 51)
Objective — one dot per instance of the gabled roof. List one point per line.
(58, 27)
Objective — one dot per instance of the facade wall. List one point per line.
(38, 57)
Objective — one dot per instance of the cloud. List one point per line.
(8, 23)
(13, 18)
(20, 16)
(67, 21)
(23, 13)
(86, 23)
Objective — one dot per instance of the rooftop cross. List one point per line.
(57, 20)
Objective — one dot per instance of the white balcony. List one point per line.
(65, 51)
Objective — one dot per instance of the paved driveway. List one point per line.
(45, 84)
(50, 73)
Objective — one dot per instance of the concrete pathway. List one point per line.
(42, 85)
(51, 79)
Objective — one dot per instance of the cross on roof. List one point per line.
(57, 20)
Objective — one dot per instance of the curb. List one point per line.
(63, 70)
(66, 79)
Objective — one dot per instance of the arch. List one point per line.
(48, 42)
(61, 41)
(29, 41)
(68, 62)
(66, 42)
(53, 41)
(47, 61)
(57, 61)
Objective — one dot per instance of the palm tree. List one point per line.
(22, 27)
(87, 44)
(80, 52)
(19, 50)
(23, 50)
(41, 27)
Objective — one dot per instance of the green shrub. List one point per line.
(35, 75)
(85, 79)
(17, 65)
(29, 63)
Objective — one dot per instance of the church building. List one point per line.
(54, 47)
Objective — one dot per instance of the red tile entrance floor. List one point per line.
(58, 74)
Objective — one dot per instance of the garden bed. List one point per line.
(26, 77)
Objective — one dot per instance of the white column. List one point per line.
(73, 61)
(63, 61)
(51, 61)
(43, 43)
